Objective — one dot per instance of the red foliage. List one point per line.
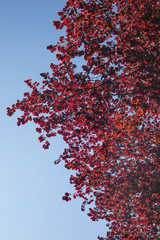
(109, 113)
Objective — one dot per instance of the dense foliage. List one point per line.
(104, 99)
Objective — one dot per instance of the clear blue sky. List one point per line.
(31, 186)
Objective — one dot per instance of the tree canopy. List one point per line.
(103, 97)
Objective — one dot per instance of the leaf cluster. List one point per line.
(109, 113)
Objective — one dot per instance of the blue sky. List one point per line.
(31, 186)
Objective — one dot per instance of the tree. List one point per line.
(108, 113)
